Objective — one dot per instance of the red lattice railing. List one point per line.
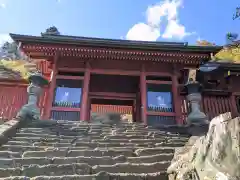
(99, 108)
(12, 98)
(215, 105)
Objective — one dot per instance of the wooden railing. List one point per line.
(99, 108)
(215, 105)
(212, 105)
(13, 97)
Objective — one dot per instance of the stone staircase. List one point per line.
(76, 150)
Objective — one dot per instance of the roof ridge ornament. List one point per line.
(51, 31)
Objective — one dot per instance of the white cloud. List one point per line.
(4, 38)
(2, 3)
(143, 32)
(175, 30)
(199, 38)
(151, 30)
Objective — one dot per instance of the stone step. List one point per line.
(43, 135)
(47, 170)
(82, 169)
(65, 133)
(48, 153)
(26, 141)
(153, 151)
(21, 143)
(90, 151)
(101, 160)
(19, 148)
(9, 154)
(55, 147)
(132, 168)
(100, 176)
(99, 138)
(151, 158)
(53, 144)
(109, 145)
(103, 152)
(74, 153)
(36, 136)
(169, 144)
(35, 139)
(137, 141)
(118, 136)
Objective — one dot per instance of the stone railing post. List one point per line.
(196, 116)
(31, 110)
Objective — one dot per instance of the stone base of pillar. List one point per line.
(29, 111)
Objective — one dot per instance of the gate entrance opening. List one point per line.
(114, 95)
(112, 109)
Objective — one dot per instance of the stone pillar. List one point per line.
(30, 110)
(196, 116)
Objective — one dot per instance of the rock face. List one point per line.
(76, 150)
(215, 155)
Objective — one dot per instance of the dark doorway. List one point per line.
(114, 83)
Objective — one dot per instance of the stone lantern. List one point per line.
(194, 97)
(196, 116)
(30, 110)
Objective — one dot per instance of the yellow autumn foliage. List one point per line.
(230, 54)
(205, 43)
(21, 66)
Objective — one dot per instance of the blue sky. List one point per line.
(178, 20)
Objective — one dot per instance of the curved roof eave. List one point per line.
(126, 44)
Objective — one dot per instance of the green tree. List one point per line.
(236, 14)
(11, 51)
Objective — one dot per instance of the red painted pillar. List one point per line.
(176, 99)
(143, 89)
(137, 107)
(51, 90)
(85, 90)
(134, 111)
(89, 110)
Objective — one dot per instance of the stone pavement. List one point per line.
(76, 150)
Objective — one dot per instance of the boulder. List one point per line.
(215, 155)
